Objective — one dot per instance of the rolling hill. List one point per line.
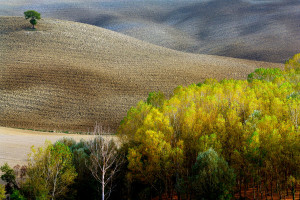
(69, 76)
(266, 30)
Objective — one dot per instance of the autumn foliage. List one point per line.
(253, 124)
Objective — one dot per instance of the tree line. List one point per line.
(212, 140)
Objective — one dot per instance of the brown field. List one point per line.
(15, 144)
(68, 75)
(265, 30)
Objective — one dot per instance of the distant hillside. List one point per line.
(68, 75)
(266, 30)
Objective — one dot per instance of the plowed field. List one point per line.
(69, 76)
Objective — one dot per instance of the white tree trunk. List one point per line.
(103, 186)
(104, 162)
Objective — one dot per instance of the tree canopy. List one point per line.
(212, 178)
(253, 124)
(33, 16)
(50, 171)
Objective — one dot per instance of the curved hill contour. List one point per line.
(265, 30)
(68, 75)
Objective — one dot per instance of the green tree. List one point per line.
(33, 16)
(84, 184)
(212, 177)
(50, 171)
(2, 192)
(156, 99)
(9, 177)
(268, 74)
(16, 195)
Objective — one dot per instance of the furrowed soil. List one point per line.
(68, 76)
(265, 30)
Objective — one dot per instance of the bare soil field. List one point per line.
(266, 30)
(15, 144)
(68, 76)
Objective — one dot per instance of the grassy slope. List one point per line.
(68, 76)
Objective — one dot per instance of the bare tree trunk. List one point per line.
(103, 186)
(54, 182)
(104, 162)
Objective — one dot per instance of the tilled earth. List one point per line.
(249, 29)
(68, 76)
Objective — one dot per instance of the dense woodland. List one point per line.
(213, 140)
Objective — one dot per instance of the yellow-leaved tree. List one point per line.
(2, 192)
(50, 171)
(252, 124)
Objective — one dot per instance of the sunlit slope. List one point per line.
(265, 30)
(68, 76)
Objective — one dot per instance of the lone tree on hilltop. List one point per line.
(33, 15)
